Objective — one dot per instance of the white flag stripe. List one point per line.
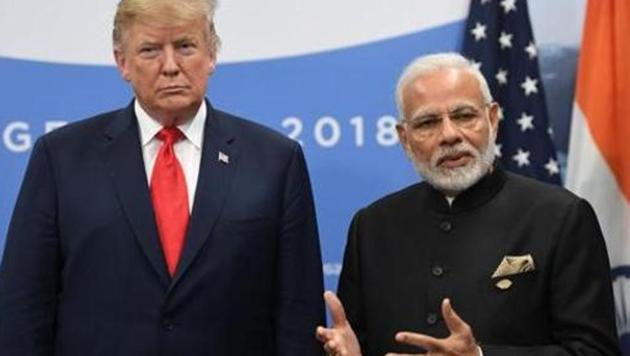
(589, 176)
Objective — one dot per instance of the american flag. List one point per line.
(498, 38)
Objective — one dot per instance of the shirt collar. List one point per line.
(192, 129)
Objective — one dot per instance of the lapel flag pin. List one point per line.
(223, 158)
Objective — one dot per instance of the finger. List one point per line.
(395, 354)
(323, 334)
(453, 322)
(333, 348)
(328, 350)
(426, 342)
(336, 309)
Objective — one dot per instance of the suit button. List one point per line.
(432, 318)
(446, 226)
(168, 325)
(437, 271)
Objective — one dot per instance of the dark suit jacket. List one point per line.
(408, 251)
(83, 271)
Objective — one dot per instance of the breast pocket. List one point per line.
(512, 286)
(512, 301)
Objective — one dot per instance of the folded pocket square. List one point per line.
(511, 265)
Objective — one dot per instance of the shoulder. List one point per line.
(85, 130)
(79, 138)
(253, 134)
(536, 194)
(396, 202)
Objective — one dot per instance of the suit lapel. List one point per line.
(219, 160)
(123, 155)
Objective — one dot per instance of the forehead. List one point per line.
(161, 29)
(442, 88)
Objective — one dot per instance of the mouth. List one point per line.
(173, 89)
(454, 160)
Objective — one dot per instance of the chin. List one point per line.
(179, 103)
(453, 180)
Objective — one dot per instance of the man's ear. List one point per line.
(494, 114)
(402, 135)
(122, 64)
(212, 65)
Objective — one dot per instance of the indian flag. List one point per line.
(599, 150)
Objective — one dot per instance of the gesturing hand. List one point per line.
(339, 340)
(461, 342)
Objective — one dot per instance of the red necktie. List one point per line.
(170, 198)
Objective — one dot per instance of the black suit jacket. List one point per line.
(83, 271)
(408, 251)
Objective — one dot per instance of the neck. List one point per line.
(169, 118)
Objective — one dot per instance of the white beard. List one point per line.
(453, 181)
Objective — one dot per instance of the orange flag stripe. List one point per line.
(603, 83)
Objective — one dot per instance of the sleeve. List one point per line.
(29, 274)
(581, 301)
(350, 288)
(299, 304)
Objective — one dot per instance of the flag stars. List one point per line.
(531, 50)
(501, 76)
(530, 86)
(552, 167)
(521, 158)
(505, 40)
(479, 32)
(526, 122)
(508, 5)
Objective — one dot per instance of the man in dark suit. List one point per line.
(166, 227)
(523, 263)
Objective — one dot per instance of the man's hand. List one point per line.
(339, 340)
(460, 343)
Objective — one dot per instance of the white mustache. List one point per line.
(444, 153)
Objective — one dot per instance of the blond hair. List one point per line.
(167, 11)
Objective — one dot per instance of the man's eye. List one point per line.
(187, 47)
(463, 116)
(425, 123)
(148, 50)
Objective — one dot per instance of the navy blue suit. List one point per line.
(84, 274)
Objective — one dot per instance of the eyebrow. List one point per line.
(457, 107)
(148, 42)
(185, 38)
(462, 107)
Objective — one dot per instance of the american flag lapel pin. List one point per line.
(223, 158)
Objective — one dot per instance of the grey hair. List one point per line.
(431, 63)
(168, 11)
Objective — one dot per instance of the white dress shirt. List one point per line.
(187, 150)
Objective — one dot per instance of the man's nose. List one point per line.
(450, 133)
(170, 66)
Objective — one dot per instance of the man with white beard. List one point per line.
(523, 263)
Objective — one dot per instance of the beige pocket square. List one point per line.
(511, 265)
